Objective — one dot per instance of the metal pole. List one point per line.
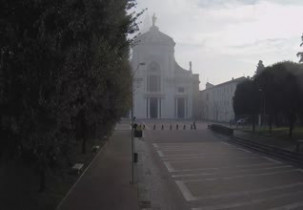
(132, 120)
(132, 134)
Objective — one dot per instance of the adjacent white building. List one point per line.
(216, 101)
(161, 88)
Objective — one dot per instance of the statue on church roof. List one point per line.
(154, 19)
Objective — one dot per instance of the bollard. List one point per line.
(162, 127)
(177, 126)
(154, 127)
(135, 157)
(184, 127)
(143, 126)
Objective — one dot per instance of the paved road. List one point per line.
(196, 169)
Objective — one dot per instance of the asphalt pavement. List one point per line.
(200, 170)
(180, 168)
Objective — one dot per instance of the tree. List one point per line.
(280, 86)
(247, 100)
(64, 74)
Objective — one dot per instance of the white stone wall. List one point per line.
(216, 102)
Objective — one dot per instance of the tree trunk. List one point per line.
(270, 123)
(292, 120)
(42, 179)
(83, 145)
(253, 123)
(42, 171)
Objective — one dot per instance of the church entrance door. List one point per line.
(181, 107)
(153, 108)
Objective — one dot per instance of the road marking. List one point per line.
(241, 176)
(249, 192)
(244, 150)
(160, 153)
(300, 170)
(246, 203)
(233, 167)
(169, 167)
(289, 206)
(238, 171)
(185, 191)
(202, 157)
(196, 148)
(156, 145)
(218, 157)
(272, 160)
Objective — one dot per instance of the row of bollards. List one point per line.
(139, 127)
(162, 127)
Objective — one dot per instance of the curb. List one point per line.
(79, 178)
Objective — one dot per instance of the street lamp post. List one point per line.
(133, 120)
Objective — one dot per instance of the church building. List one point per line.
(161, 88)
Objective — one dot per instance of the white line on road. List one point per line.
(241, 176)
(300, 170)
(218, 157)
(246, 203)
(238, 171)
(233, 167)
(195, 148)
(244, 150)
(185, 191)
(207, 157)
(249, 192)
(169, 167)
(289, 206)
(160, 154)
(272, 160)
(156, 145)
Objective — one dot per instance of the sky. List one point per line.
(225, 39)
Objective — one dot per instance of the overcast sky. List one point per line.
(227, 38)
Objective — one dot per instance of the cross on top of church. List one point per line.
(154, 19)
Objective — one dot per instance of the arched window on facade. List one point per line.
(153, 77)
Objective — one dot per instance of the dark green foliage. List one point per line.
(64, 74)
(279, 89)
(247, 100)
(282, 91)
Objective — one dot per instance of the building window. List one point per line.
(181, 89)
(153, 77)
(153, 83)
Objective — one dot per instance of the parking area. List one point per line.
(212, 174)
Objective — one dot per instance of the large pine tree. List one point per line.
(64, 73)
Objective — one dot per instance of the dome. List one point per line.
(154, 36)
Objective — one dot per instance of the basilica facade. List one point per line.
(161, 88)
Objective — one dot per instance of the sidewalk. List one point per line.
(106, 183)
